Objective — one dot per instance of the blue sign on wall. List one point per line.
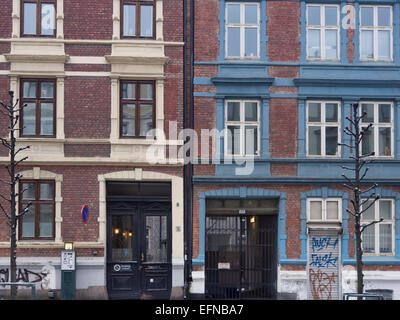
(85, 213)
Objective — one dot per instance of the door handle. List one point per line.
(142, 256)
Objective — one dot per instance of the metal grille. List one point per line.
(241, 257)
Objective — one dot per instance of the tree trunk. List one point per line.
(13, 229)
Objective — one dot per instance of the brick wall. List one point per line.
(283, 31)
(283, 128)
(87, 107)
(83, 20)
(206, 28)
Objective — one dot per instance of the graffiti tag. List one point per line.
(318, 244)
(321, 284)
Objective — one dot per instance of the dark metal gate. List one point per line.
(241, 257)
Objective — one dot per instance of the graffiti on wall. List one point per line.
(43, 277)
(323, 266)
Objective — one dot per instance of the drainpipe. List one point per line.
(188, 168)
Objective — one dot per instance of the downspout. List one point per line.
(185, 245)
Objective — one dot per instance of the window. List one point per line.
(378, 239)
(38, 18)
(323, 32)
(376, 33)
(242, 30)
(38, 116)
(137, 108)
(379, 138)
(137, 18)
(38, 222)
(324, 210)
(242, 128)
(323, 123)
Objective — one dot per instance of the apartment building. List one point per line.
(103, 86)
(275, 80)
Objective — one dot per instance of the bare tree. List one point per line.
(363, 197)
(12, 111)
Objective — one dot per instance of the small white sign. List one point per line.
(67, 260)
(224, 265)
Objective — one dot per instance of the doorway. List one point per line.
(138, 241)
(241, 252)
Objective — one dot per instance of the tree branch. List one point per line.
(369, 224)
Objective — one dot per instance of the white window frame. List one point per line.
(386, 221)
(324, 210)
(375, 28)
(242, 124)
(323, 124)
(323, 29)
(242, 25)
(376, 125)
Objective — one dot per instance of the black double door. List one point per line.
(139, 249)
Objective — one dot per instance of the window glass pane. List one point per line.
(46, 220)
(46, 191)
(314, 44)
(331, 50)
(29, 18)
(156, 239)
(368, 109)
(385, 141)
(47, 90)
(29, 193)
(368, 239)
(251, 141)
(384, 17)
(368, 142)
(314, 112)
(250, 43)
(146, 91)
(384, 44)
(122, 233)
(128, 91)
(331, 16)
(370, 213)
(46, 118)
(233, 13)
(28, 222)
(367, 44)
(129, 27)
(146, 21)
(233, 111)
(233, 140)
(384, 113)
(367, 16)
(29, 90)
(146, 119)
(29, 118)
(385, 209)
(316, 210)
(385, 238)
(251, 14)
(313, 16)
(233, 42)
(332, 210)
(250, 110)
(48, 19)
(314, 140)
(331, 138)
(128, 119)
(331, 112)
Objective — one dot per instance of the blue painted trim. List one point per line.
(204, 94)
(301, 127)
(303, 32)
(202, 81)
(244, 193)
(293, 262)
